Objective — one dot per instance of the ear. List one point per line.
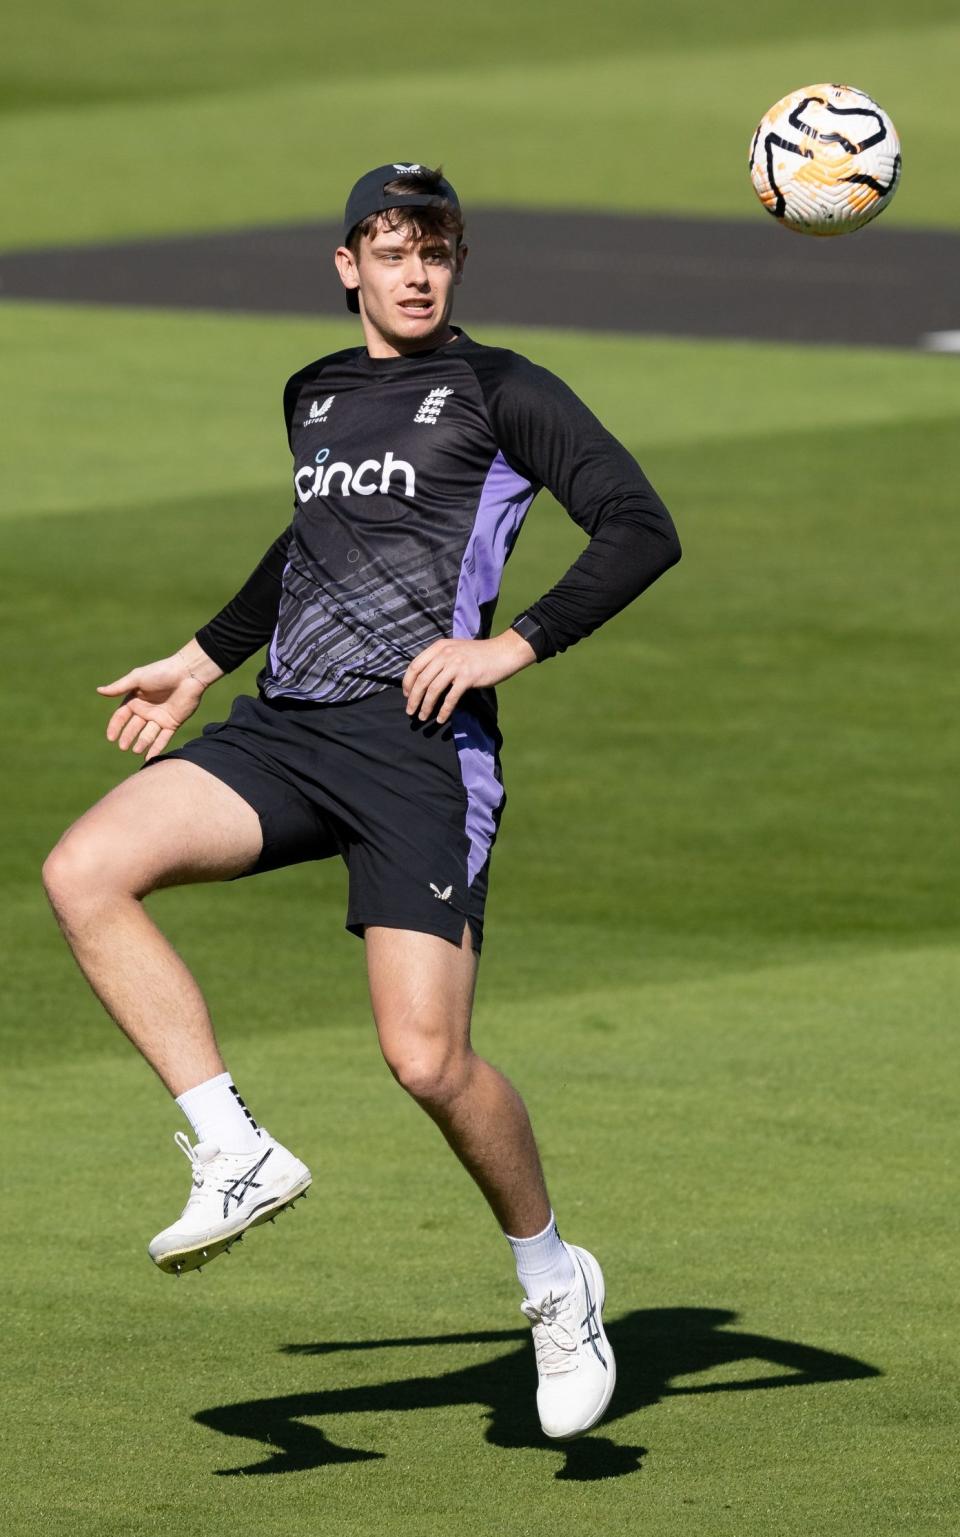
(347, 267)
(462, 253)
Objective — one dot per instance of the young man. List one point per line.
(374, 737)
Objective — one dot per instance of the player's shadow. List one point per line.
(653, 1346)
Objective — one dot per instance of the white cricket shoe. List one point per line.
(574, 1361)
(231, 1192)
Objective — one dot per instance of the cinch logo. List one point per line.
(322, 479)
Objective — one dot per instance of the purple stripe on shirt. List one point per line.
(475, 750)
(500, 511)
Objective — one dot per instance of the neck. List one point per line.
(380, 346)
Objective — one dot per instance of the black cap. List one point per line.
(368, 196)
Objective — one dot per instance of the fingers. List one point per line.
(131, 731)
(118, 720)
(454, 694)
(417, 665)
(439, 686)
(148, 737)
(159, 746)
(426, 685)
(134, 725)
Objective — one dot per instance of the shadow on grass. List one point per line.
(653, 1346)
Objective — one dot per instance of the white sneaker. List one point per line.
(231, 1192)
(574, 1361)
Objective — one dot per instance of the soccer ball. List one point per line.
(825, 160)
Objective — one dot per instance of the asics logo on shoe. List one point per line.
(369, 477)
(589, 1322)
(239, 1188)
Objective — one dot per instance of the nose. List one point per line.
(416, 275)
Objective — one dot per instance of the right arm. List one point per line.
(159, 697)
(247, 622)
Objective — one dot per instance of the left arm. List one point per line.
(550, 436)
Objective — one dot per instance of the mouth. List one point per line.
(420, 309)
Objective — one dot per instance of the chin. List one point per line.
(420, 330)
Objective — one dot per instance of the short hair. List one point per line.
(442, 220)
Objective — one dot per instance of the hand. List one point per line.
(451, 667)
(157, 700)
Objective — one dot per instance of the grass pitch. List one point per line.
(193, 117)
(720, 965)
(720, 959)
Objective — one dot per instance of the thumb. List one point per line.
(122, 685)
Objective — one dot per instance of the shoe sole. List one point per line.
(177, 1261)
(593, 1270)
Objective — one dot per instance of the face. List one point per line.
(406, 288)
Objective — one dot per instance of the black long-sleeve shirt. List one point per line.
(412, 477)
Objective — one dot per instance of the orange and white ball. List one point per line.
(825, 160)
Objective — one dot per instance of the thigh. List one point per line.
(421, 989)
(426, 804)
(171, 824)
(263, 756)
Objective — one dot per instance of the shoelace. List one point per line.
(184, 1144)
(554, 1338)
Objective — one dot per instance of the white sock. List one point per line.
(544, 1264)
(218, 1114)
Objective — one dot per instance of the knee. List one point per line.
(76, 874)
(432, 1073)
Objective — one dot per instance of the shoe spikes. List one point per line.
(291, 1206)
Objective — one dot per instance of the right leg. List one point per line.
(172, 824)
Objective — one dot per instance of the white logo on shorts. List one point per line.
(441, 896)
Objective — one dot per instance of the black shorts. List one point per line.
(411, 807)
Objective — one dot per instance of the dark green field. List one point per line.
(721, 953)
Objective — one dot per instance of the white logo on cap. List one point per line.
(406, 169)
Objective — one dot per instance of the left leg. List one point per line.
(421, 988)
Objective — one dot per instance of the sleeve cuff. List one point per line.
(534, 634)
(225, 662)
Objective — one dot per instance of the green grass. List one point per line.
(144, 414)
(765, 1145)
(139, 52)
(236, 119)
(720, 965)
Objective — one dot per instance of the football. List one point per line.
(825, 160)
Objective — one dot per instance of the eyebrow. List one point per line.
(409, 245)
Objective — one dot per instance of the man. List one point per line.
(374, 737)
